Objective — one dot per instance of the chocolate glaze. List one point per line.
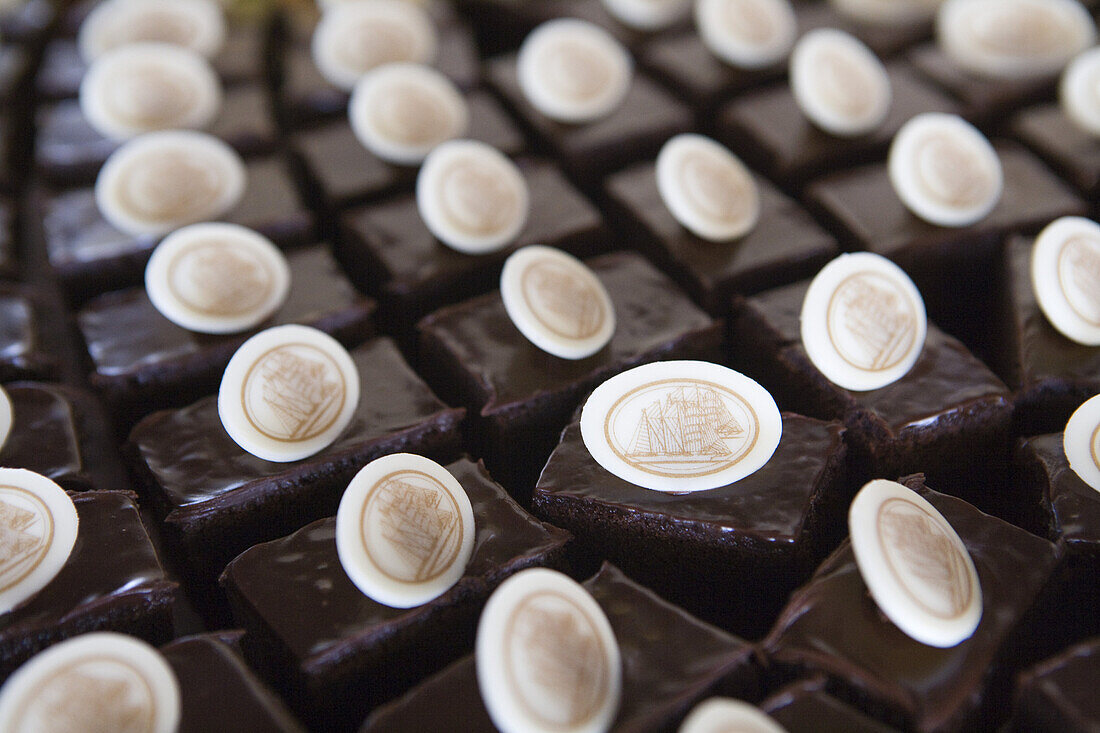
(345, 650)
(1074, 506)
(807, 707)
(25, 349)
(112, 580)
(142, 361)
(1060, 693)
(670, 661)
(1071, 151)
(923, 687)
(785, 244)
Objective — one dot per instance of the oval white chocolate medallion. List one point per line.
(1012, 39)
(707, 188)
(916, 568)
(404, 530)
(288, 393)
(1079, 91)
(471, 196)
(1081, 442)
(556, 302)
(648, 15)
(888, 12)
(353, 38)
(863, 322)
(400, 112)
(726, 715)
(839, 83)
(118, 681)
(547, 658)
(217, 278)
(944, 170)
(195, 24)
(681, 426)
(144, 87)
(1065, 275)
(748, 34)
(162, 181)
(38, 526)
(573, 71)
(7, 416)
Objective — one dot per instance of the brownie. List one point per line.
(27, 22)
(911, 684)
(63, 433)
(9, 240)
(339, 171)
(216, 500)
(29, 346)
(70, 152)
(144, 362)
(337, 652)
(389, 252)
(1071, 151)
(730, 554)
(807, 707)
(112, 581)
(517, 396)
(1050, 373)
(15, 67)
(785, 245)
(670, 661)
(90, 256)
(1059, 695)
(767, 128)
(219, 692)
(636, 129)
(948, 409)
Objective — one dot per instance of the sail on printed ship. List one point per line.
(691, 422)
(17, 546)
(297, 392)
(878, 321)
(417, 524)
(568, 297)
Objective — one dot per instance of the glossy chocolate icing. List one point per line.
(24, 348)
(112, 580)
(1074, 506)
(1060, 693)
(293, 594)
(670, 661)
(807, 707)
(924, 687)
(1071, 151)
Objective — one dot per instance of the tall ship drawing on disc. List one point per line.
(420, 523)
(303, 395)
(569, 306)
(20, 547)
(871, 322)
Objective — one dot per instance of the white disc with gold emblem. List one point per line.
(195, 24)
(1081, 442)
(747, 34)
(1065, 276)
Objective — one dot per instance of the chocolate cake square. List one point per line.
(337, 652)
(832, 626)
(807, 707)
(216, 500)
(785, 245)
(1059, 694)
(518, 397)
(1066, 148)
(29, 346)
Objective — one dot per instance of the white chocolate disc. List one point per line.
(1081, 442)
(288, 393)
(162, 181)
(681, 426)
(1013, 39)
(400, 112)
(195, 24)
(1079, 91)
(887, 12)
(748, 34)
(144, 87)
(648, 15)
(839, 83)
(1065, 275)
(7, 416)
(99, 681)
(944, 170)
(573, 71)
(404, 530)
(38, 526)
(863, 322)
(707, 188)
(547, 658)
(355, 37)
(471, 196)
(915, 566)
(557, 302)
(726, 715)
(217, 278)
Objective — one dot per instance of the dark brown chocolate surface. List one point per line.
(1074, 506)
(1071, 151)
(924, 687)
(807, 707)
(25, 22)
(670, 661)
(27, 344)
(294, 595)
(1059, 695)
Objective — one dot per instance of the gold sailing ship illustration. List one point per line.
(568, 297)
(563, 658)
(689, 424)
(930, 556)
(878, 321)
(226, 281)
(74, 698)
(1085, 259)
(299, 393)
(419, 526)
(18, 547)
